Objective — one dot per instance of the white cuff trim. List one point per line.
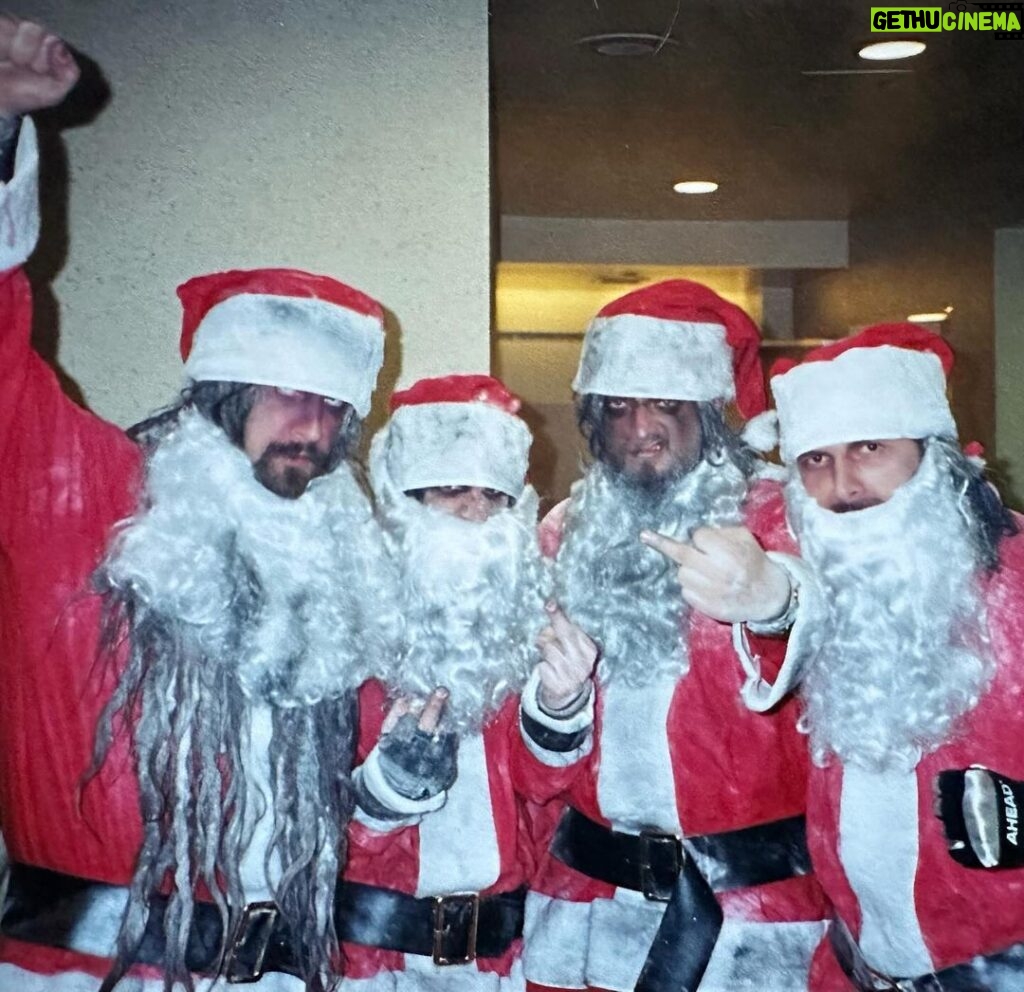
(372, 778)
(803, 644)
(19, 202)
(581, 719)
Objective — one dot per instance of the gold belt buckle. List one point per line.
(442, 926)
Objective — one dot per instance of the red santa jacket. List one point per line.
(68, 477)
(481, 840)
(711, 764)
(960, 912)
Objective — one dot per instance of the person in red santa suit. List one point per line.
(441, 847)
(913, 705)
(680, 863)
(225, 565)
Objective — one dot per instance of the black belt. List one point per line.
(661, 867)
(968, 977)
(649, 862)
(452, 929)
(44, 907)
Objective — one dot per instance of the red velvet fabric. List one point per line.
(458, 389)
(392, 859)
(913, 337)
(733, 768)
(67, 478)
(961, 911)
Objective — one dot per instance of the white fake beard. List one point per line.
(624, 594)
(296, 594)
(906, 653)
(473, 602)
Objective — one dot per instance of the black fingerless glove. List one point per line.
(416, 764)
(980, 809)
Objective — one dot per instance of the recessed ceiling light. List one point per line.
(625, 45)
(694, 186)
(883, 51)
(930, 318)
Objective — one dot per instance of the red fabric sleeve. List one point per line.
(67, 477)
(373, 706)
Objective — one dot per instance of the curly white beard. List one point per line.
(622, 593)
(906, 649)
(473, 603)
(295, 594)
(230, 598)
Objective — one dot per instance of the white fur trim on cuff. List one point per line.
(372, 778)
(864, 394)
(581, 719)
(801, 648)
(647, 357)
(19, 202)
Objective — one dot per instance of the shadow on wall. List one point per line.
(386, 382)
(82, 106)
(558, 452)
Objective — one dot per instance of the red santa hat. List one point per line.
(283, 327)
(674, 340)
(888, 381)
(456, 430)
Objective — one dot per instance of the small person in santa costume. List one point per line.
(914, 702)
(441, 848)
(202, 604)
(680, 863)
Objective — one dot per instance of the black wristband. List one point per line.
(10, 129)
(558, 741)
(980, 809)
(370, 804)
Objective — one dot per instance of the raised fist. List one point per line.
(36, 68)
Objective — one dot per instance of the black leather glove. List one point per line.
(979, 809)
(417, 764)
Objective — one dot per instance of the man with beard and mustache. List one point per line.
(913, 705)
(681, 861)
(441, 847)
(242, 598)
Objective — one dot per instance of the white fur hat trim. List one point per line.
(292, 342)
(453, 444)
(652, 358)
(863, 394)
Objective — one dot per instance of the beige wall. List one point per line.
(342, 136)
(1009, 316)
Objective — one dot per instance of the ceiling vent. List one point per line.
(624, 45)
